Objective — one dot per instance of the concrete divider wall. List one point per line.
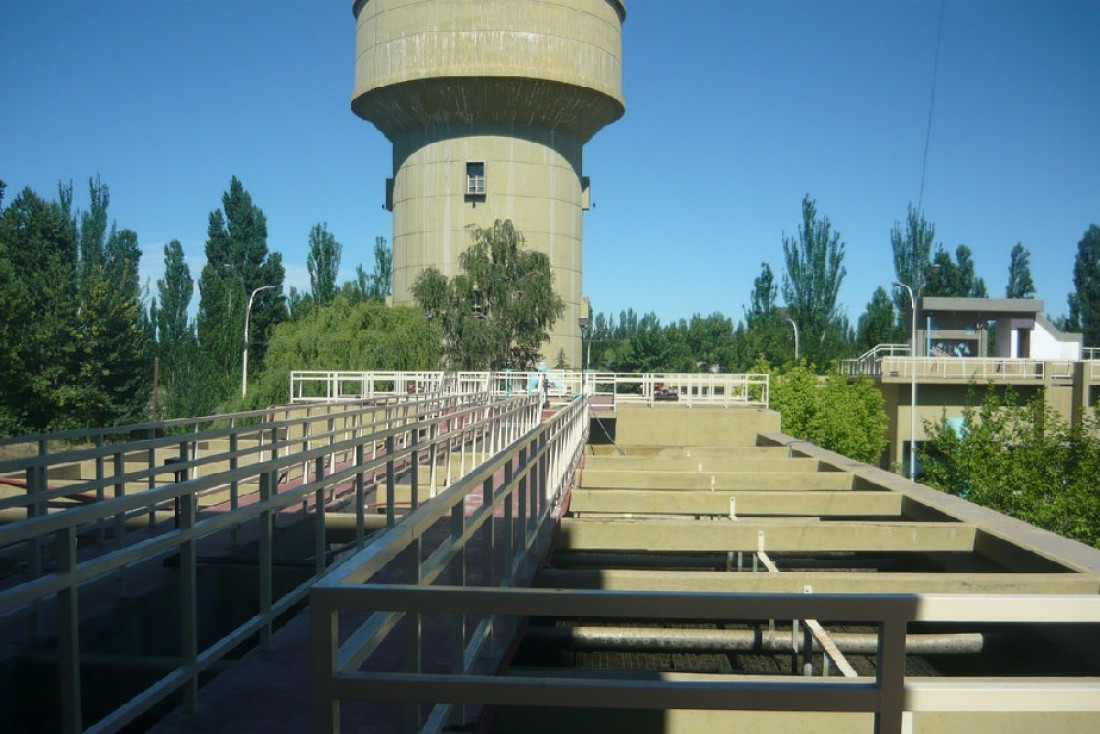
(675, 425)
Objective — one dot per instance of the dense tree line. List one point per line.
(82, 341)
(73, 333)
(83, 344)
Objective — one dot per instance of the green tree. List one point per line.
(113, 368)
(878, 324)
(1084, 302)
(764, 335)
(497, 313)
(1023, 459)
(380, 281)
(347, 335)
(237, 262)
(38, 290)
(954, 279)
(185, 375)
(832, 412)
(175, 290)
(912, 250)
(811, 284)
(323, 262)
(1020, 284)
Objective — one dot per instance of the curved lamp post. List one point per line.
(795, 327)
(912, 384)
(244, 352)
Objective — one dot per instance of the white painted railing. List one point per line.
(607, 388)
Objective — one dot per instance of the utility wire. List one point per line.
(931, 106)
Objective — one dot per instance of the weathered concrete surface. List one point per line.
(809, 503)
(823, 582)
(1003, 538)
(670, 425)
(777, 481)
(700, 464)
(718, 535)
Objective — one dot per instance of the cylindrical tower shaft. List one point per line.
(488, 104)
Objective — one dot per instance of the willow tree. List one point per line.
(498, 312)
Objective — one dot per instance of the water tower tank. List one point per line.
(488, 104)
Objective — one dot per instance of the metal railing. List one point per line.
(484, 534)
(983, 369)
(227, 484)
(606, 388)
(893, 360)
(888, 695)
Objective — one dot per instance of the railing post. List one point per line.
(414, 471)
(234, 485)
(100, 489)
(189, 610)
(890, 676)
(509, 526)
(433, 451)
(411, 632)
(68, 633)
(488, 546)
(324, 644)
(391, 482)
(458, 628)
(319, 544)
(360, 520)
(266, 552)
(521, 497)
(119, 467)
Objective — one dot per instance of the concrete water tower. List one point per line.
(488, 104)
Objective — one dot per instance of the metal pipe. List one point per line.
(755, 640)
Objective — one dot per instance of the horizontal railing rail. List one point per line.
(320, 457)
(606, 388)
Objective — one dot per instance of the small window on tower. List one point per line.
(475, 178)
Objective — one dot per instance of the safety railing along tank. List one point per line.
(487, 531)
(607, 389)
(88, 546)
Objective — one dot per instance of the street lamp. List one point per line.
(583, 323)
(795, 326)
(913, 383)
(244, 352)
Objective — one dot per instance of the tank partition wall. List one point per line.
(487, 531)
(236, 486)
(607, 388)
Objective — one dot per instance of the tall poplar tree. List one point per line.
(811, 284)
(237, 262)
(110, 375)
(38, 306)
(1020, 284)
(323, 262)
(1084, 302)
(912, 248)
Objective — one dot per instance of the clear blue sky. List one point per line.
(735, 110)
